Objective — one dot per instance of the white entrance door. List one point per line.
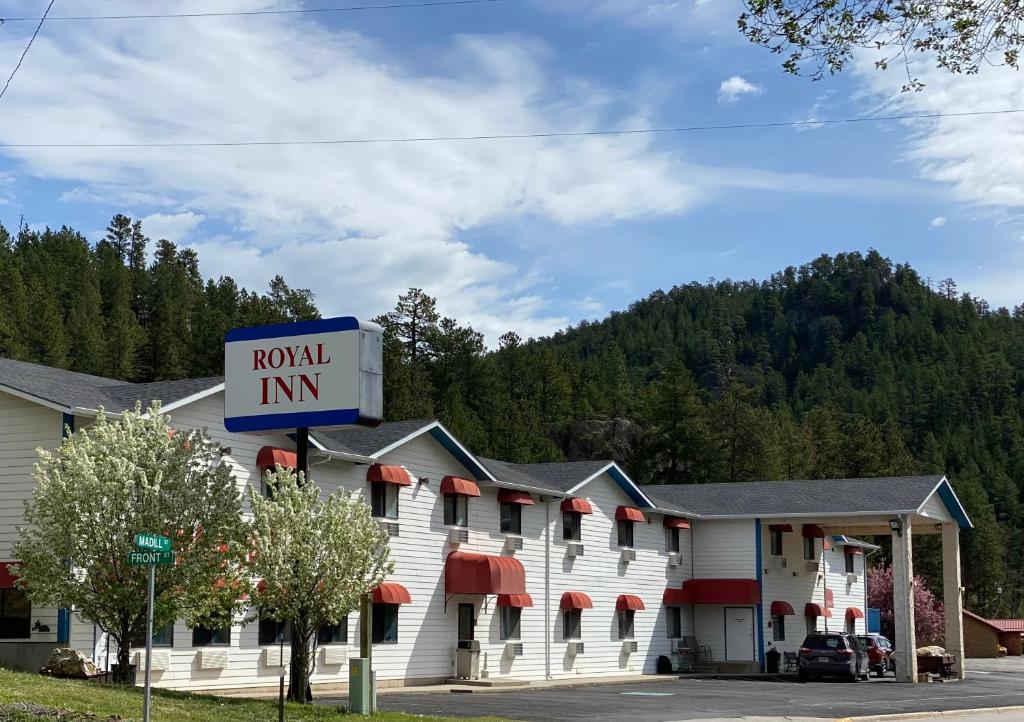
(739, 633)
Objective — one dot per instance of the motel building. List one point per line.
(534, 571)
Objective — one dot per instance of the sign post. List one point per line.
(156, 550)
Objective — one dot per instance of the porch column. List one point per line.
(903, 602)
(952, 597)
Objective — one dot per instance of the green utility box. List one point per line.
(360, 686)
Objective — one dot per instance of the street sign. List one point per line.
(152, 542)
(324, 373)
(144, 558)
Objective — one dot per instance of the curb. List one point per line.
(1017, 709)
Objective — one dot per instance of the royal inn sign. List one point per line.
(322, 374)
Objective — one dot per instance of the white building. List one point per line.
(556, 571)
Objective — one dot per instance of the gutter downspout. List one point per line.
(547, 590)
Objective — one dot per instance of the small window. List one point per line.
(626, 623)
(265, 485)
(776, 537)
(384, 500)
(571, 525)
(674, 617)
(456, 508)
(625, 533)
(510, 623)
(809, 547)
(851, 626)
(15, 614)
(385, 623)
(571, 624)
(850, 559)
(812, 625)
(162, 637)
(273, 632)
(672, 541)
(207, 637)
(511, 518)
(333, 633)
(778, 628)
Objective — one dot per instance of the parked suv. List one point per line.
(879, 651)
(833, 653)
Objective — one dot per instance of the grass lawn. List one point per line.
(105, 700)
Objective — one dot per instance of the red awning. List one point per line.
(816, 610)
(7, 575)
(676, 522)
(271, 456)
(575, 600)
(782, 609)
(629, 513)
(780, 527)
(853, 550)
(813, 532)
(511, 496)
(830, 598)
(629, 603)
(459, 487)
(515, 600)
(385, 474)
(580, 506)
(391, 593)
(854, 613)
(469, 573)
(723, 591)
(675, 597)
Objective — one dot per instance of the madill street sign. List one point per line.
(143, 558)
(320, 374)
(152, 542)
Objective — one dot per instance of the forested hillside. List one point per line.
(847, 366)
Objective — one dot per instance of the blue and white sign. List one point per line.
(319, 374)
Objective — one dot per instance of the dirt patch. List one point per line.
(20, 711)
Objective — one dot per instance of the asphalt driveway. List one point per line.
(995, 683)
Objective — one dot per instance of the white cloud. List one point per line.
(175, 227)
(938, 222)
(696, 20)
(732, 89)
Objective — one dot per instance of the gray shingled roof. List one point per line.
(768, 498)
(557, 477)
(368, 441)
(71, 389)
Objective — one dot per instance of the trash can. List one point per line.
(772, 658)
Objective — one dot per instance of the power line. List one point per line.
(25, 51)
(237, 13)
(519, 136)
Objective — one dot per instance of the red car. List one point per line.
(879, 653)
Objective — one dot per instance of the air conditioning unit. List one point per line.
(275, 656)
(851, 578)
(458, 536)
(513, 650)
(213, 659)
(513, 543)
(627, 555)
(779, 562)
(389, 527)
(679, 645)
(813, 566)
(575, 549)
(334, 654)
(160, 661)
(575, 648)
(675, 559)
(629, 647)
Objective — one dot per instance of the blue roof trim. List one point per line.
(299, 328)
(450, 445)
(953, 506)
(627, 485)
(294, 420)
(759, 609)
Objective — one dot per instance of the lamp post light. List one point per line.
(897, 526)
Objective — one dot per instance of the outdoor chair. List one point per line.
(701, 652)
(791, 662)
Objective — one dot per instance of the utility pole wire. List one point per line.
(238, 13)
(25, 51)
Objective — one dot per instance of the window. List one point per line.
(672, 540)
(809, 547)
(456, 510)
(571, 524)
(674, 617)
(778, 628)
(265, 485)
(384, 500)
(625, 533)
(510, 623)
(571, 626)
(850, 568)
(776, 537)
(15, 614)
(206, 637)
(273, 632)
(385, 623)
(333, 633)
(511, 518)
(812, 625)
(162, 637)
(851, 626)
(626, 623)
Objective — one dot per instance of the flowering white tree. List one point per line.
(315, 557)
(111, 480)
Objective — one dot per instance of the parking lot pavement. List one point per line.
(702, 699)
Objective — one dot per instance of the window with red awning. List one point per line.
(512, 496)
(629, 513)
(816, 610)
(576, 505)
(675, 597)
(385, 474)
(854, 613)
(812, 531)
(853, 550)
(470, 573)
(391, 593)
(676, 522)
(518, 601)
(780, 609)
(629, 603)
(456, 486)
(575, 600)
(270, 456)
(780, 527)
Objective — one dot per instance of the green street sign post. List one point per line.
(152, 550)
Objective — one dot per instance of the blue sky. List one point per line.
(528, 235)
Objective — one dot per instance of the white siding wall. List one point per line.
(845, 593)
